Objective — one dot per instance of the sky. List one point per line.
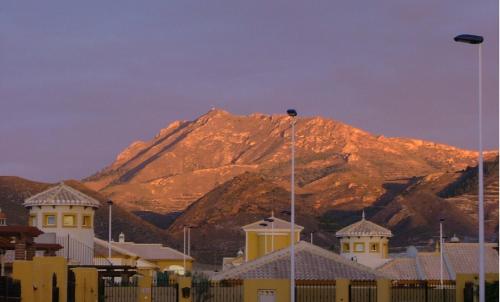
(81, 80)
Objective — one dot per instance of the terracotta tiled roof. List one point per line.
(464, 257)
(401, 269)
(430, 266)
(61, 195)
(458, 258)
(151, 251)
(312, 263)
(278, 224)
(364, 228)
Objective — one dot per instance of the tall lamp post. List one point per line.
(292, 113)
(110, 205)
(441, 251)
(477, 40)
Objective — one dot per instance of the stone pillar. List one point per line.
(384, 290)
(342, 290)
(183, 283)
(145, 284)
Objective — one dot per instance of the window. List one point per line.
(69, 220)
(32, 221)
(86, 221)
(346, 248)
(374, 247)
(359, 247)
(50, 220)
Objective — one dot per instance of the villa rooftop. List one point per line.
(277, 224)
(61, 194)
(364, 228)
(312, 263)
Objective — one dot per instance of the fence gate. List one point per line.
(10, 289)
(222, 291)
(363, 291)
(163, 289)
(118, 289)
(423, 291)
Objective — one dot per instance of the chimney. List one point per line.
(121, 237)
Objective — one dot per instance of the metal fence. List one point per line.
(118, 290)
(10, 290)
(221, 291)
(76, 252)
(164, 289)
(315, 291)
(423, 291)
(363, 291)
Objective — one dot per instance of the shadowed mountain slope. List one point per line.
(14, 190)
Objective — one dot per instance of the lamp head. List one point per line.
(291, 112)
(110, 202)
(469, 39)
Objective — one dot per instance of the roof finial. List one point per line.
(363, 215)
(272, 213)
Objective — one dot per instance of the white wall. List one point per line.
(82, 238)
(368, 258)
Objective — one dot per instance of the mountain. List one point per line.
(14, 190)
(223, 171)
(336, 162)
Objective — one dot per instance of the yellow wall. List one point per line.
(185, 282)
(342, 290)
(384, 287)
(145, 282)
(251, 289)
(461, 279)
(36, 278)
(257, 243)
(86, 288)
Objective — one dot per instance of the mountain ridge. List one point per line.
(176, 156)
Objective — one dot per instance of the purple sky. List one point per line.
(81, 80)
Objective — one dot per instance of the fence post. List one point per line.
(384, 290)
(426, 290)
(342, 290)
(185, 282)
(145, 282)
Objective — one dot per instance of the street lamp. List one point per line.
(473, 39)
(292, 113)
(110, 205)
(441, 251)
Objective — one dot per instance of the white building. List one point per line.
(365, 242)
(66, 216)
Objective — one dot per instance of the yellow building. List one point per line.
(268, 235)
(145, 255)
